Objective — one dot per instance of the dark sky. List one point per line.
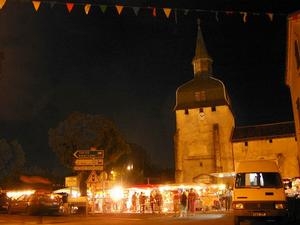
(127, 67)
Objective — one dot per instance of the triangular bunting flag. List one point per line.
(36, 5)
(87, 8)
(270, 15)
(229, 12)
(217, 16)
(103, 8)
(136, 10)
(167, 12)
(69, 6)
(52, 4)
(244, 16)
(119, 9)
(2, 2)
(154, 12)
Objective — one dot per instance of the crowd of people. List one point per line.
(155, 200)
(181, 202)
(184, 202)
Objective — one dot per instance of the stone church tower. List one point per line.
(204, 123)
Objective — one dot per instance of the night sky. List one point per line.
(127, 67)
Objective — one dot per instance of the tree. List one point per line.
(81, 132)
(12, 160)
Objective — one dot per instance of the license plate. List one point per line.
(259, 214)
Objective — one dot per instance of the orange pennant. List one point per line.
(167, 12)
(119, 9)
(69, 6)
(2, 2)
(36, 5)
(87, 8)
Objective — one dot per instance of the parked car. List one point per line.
(36, 204)
(4, 202)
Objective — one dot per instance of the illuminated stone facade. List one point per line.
(269, 141)
(293, 68)
(206, 139)
(203, 145)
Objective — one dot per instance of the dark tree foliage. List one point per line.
(81, 132)
(12, 160)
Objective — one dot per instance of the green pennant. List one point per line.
(103, 8)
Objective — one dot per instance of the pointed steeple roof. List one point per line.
(204, 90)
(202, 62)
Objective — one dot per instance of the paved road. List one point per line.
(127, 219)
(117, 219)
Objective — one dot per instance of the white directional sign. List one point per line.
(90, 162)
(87, 154)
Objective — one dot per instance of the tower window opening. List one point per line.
(270, 140)
(201, 164)
(200, 96)
(186, 111)
(246, 143)
(201, 110)
(213, 108)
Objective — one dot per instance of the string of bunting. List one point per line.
(167, 11)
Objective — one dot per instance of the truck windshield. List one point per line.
(255, 179)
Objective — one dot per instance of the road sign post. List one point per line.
(88, 160)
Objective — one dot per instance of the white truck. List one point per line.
(258, 192)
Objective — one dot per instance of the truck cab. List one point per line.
(258, 192)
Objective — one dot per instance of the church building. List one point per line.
(207, 142)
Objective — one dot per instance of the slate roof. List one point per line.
(265, 131)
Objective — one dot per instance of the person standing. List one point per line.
(133, 202)
(152, 200)
(191, 202)
(228, 198)
(142, 201)
(65, 203)
(159, 200)
(176, 203)
(183, 204)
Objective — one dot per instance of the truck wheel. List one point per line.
(284, 220)
(237, 220)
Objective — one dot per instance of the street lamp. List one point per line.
(129, 167)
